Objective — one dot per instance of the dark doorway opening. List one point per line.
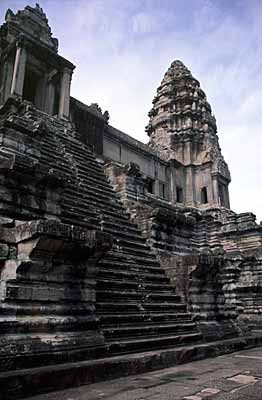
(31, 85)
(204, 197)
(162, 190)
(179, 194)
(56, 83)
(222, 194)
(151, 186)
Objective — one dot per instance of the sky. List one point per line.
(122, 48)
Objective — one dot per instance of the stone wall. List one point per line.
(47, 266)
(47, 292)
(89, 124)
(189, 246)
(123, 149)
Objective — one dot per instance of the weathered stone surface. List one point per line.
(51, 259)
(87, 271)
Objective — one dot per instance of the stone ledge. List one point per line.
(55, 229)
(29, 382)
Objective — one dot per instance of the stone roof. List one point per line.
(31, 22)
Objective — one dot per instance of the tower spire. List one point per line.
(180, 106)
(182, 127)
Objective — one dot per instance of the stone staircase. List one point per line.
(139, 324)
(137, 307)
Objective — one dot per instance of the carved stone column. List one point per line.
(187, 152)
(215, 190)
(172, 185)
(190, 187)
(19, 71)
(65, 93)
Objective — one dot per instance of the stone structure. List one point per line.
(30, 65)
(182, 128)
(184, 210)
(78, 279)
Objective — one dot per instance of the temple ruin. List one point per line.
(117, 257)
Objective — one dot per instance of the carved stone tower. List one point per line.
(183, 130)
(30, 66)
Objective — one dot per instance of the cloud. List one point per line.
(144, 23)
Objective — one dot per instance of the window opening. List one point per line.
(204, 197)
(162, 190)
(179, 194)
(31, 84)
(150, 186)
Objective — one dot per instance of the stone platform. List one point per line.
(237, 376)
(24, 383)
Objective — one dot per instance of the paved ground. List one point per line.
(229, 377)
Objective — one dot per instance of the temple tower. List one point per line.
(183, 130)
(30, 66)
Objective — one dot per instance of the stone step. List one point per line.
(72, 205)
(119, 256)
(149, 343)
(130, 266)
(136, 294)
(69, 216)
(69, 346)
(94, 204)
(85, 174)
(83, 156)
(34, 381)
(103, 185)
(147, 330)
(131, 306)
(140, 254)
(50, 292)
(126, 318)
(132, 247)
(88, 193)
(90, 198)
(119, 221)
(141, 284)
(49, 156)
(24, 309)
(134, 273)
(73, 219)
(98, 182)
(88, 165)
(75, 147)
(130, 240)
(130, 236)
(49, 159)
(44, 324)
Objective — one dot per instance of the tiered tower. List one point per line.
(183, 130)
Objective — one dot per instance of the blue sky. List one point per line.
(123, 47)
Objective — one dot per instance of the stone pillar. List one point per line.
(187, 152)
(227, 196)
(172, 196)
(19, 71)
(215, 191)
(7, 71)
(156, 188)
(49, 101)
(65, 93)
(190, 187)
